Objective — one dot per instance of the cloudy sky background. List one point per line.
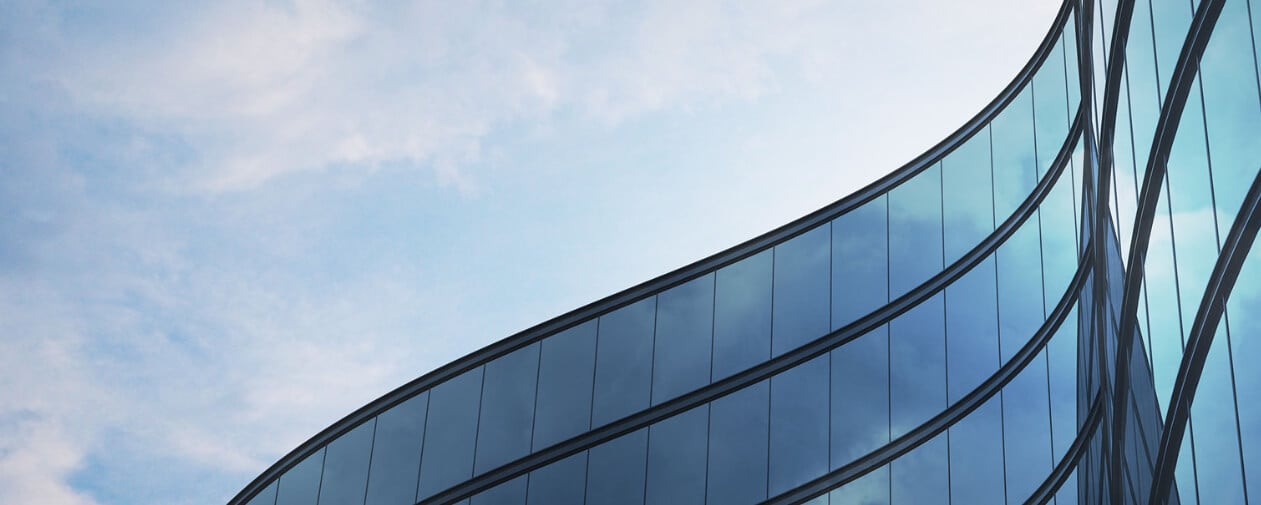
(225, 225)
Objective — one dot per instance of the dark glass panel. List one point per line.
(300, 484)
(450, 433)
(346, 467)
(742, 315)
(615, 472)
(917, 357)
(969, 210)
(560, 483)
(566, 371)
(1014, 173)
(623, 370)
(1232, 107)
(976, 456)
(685, 322)
(915, 240)
(799, 425)
(676, 459)
(920, 477)
(860, 262)
(972, 329)
(737, 446)
(801, 290)
(508, 493)
(507, 415)
(1027, 430)
(860, 397)
(1019, 288)
(1217, 462)
(265, 497)
(870, 489)
(396, 453)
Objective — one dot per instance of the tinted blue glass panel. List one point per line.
(615, 472)
(1244, 322)
(742, 315)
(676, 459)
(799, 425)
(451, 432)
(969, 210)
(265, 497)
(1217, 462)
(300, 485)
(623, 370)
(917, 348)
(920, 476)
(1062, 351)
(1059, 238)
(1014, 173)
(396, 453)
(566, 371)
(860, 262)
(976, 456)
(870, 489)
(737, 446)
(1171, 19)
(801, 290)
(1026, 416)
(1050, 109)
(560, 483)
(860, 397)
(1019, 288)
(508, 493)
(1165, 323)
(346, 467)
(915, 237)
(1232, 107)
(685, 319)
(972, 329)
(507, 415)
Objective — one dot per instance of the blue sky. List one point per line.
(224, 225)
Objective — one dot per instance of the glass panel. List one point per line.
(300, 485)
(801, 290)
(623, 370)
(969, 210)
(870, 489)
(396, 453)
(346, 467)
(860, 397)
(507, 415)
(976, 456)
(917, 348)
(676, 459)
(615, 472)
(1165, 322)
(799, 425)
(920, 477)
(915, 240)
(1050, 109)
(1014, 173)
(685, 319)
(1145, 97)
(1062, 350)
(566, 369)
(1027, 430)
(1171, 19)
(1233, 108)
(1191, 204)
(860, 262)
(972, 329)
(560, 483)
(1019, 289)
(265, 497)
(1217, 462)
(451, 432)
(508, 493)
(737, 446)
(742, 315)
(1244, 321)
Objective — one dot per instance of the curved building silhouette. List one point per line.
(1054, 304)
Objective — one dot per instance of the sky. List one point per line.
(225, 225)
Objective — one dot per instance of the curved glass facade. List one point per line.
(1055, 303)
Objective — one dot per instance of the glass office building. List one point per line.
(1054, 304)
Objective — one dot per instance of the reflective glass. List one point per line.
(450, 433)
(685, 319)
(1165, 322)
(1217, 463)
(1062, 354)
(507, 414)
(1232, 105)
(870, 489)
(738, 426)
(396, 453)
(1050, 109)
(265, 497)
(345, 476)
(300, 484)
(860, 397)
(1020, 307)
(1014, 162)
(799, 425)
(560, 483)
(915, 239)
(860, 262)
(742, 315)
(920, 477)
(566, 371)
(623, 370)
(1191, 206)
(1171, 19)
(676, 459)
(972, 329)
(1244, 321)
(967, 205)
(1145, 95)
(800, 311)
(616, 470)
(976, 456)
(917, 357)
(1059, 239)
(1027, 430)
(508, 493)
